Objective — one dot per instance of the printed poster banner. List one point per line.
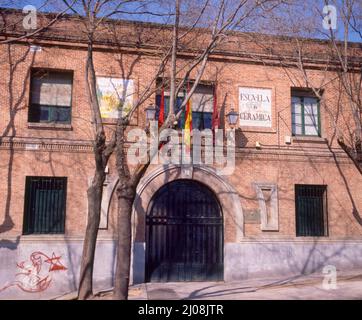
(112, 93)
(255, 107)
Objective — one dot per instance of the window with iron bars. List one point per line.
(45, 204)
(311, 210)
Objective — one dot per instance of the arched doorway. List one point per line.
(184, 234)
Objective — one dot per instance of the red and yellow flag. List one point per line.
(188, 123)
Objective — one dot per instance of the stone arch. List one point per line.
(226, 194)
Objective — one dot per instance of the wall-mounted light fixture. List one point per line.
(232, 117)
(150, 113)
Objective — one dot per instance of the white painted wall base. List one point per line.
(12, 277)
(245, 260)
(275, 258)
(264, 259)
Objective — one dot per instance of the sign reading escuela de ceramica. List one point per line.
(255, 107)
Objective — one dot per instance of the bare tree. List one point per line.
(343, 59)
(96, 14)
(102, 150)
(349, 58)
(228, 16)
(13, 31)
(194, 31)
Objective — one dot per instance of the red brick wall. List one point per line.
(276, 162)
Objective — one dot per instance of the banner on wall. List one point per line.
(255, 109)
(115, 95)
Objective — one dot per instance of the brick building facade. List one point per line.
(292, 206)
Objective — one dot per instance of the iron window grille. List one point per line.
(311, 210)
(45, 205)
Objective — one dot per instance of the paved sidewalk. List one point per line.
(349, 286)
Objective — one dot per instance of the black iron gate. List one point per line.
(184, 232)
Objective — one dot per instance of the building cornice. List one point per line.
(317, 154)
(246, 57)
(46, 145)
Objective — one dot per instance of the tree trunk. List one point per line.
(102, 153)
(94, 196)
(126, 195)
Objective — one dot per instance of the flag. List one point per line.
(215, 114)
(188, 123)
(161, 115)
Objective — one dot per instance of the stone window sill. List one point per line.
(42, 237)
(309, 139)
(256, 129)
(51, 126)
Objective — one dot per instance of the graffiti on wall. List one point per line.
(35, 274)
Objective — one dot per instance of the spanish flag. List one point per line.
(188, 123)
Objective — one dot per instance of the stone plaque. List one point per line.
(252, 216)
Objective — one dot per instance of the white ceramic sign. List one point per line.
(255, 109)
